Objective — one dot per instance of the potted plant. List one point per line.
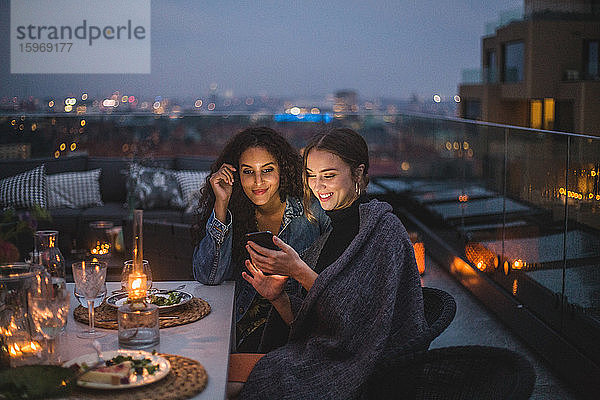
(16, 226)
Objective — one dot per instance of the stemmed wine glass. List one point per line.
(48, 308)
(97, 300)
(89, 279)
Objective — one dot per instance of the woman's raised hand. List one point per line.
(222, 186)
(222, 182)
(268, 286)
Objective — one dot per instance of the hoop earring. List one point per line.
(357, 188)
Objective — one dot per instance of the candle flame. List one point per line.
(136, 284)
(100, 248)
(16, 350)
(137, 287)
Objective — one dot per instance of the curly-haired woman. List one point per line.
(255, 185)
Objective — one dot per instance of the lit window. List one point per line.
(542, 112)
(549, 114)
(535, 115)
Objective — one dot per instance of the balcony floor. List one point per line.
(475, 325)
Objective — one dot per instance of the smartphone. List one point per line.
(264, 239)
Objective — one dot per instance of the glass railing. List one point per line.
(520, 206)
(504, 18)
(472, 76)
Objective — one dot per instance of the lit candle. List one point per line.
(25, 349)
(419, 248)
(518, 264)
(100, 249)
(136, 286)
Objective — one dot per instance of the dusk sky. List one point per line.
(301, 49)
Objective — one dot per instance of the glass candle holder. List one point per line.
(19, 344)
(99, 239)
(136, 287)
(138, 325)
(128, 270)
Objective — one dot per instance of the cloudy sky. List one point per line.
(289, 48)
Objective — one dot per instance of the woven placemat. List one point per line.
(105, 316)
(186, 379)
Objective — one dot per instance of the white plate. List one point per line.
(117, 300)
(140, 380)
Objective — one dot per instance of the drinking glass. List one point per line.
(128, 269)
(47, 253)
(98, 239)
(48, 309)
(97, 300)
(16, 328)
(90, 277)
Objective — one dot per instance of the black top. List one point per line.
(344, 223)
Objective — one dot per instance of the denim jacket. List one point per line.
(212, 256)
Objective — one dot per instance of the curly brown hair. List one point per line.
(240, 206)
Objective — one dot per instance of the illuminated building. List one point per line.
(542, 71)
(346, 101)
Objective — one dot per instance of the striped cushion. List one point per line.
(74, 189)
(24, 190)
(152, 188)
(190, 183)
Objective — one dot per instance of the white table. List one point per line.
(207, 340)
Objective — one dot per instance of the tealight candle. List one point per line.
(24, 349)
(136, 287)
(98, 239)
(23, 353)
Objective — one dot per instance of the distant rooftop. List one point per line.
(504, 18)
(546, 9)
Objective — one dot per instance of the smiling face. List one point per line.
(330, 179)
(259, 176)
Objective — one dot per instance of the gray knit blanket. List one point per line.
(360, 310)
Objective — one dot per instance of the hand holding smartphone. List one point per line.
(264, 239)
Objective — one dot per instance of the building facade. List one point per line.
(542, 71)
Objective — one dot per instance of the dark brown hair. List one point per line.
(242, 209)
(346, 144)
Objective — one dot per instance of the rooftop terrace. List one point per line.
(510, 214)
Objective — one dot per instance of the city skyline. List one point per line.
(393, 49)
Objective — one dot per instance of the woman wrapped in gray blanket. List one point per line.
(364, 294)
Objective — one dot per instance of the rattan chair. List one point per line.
(475, 372)
(440, 309)
(397, 376)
